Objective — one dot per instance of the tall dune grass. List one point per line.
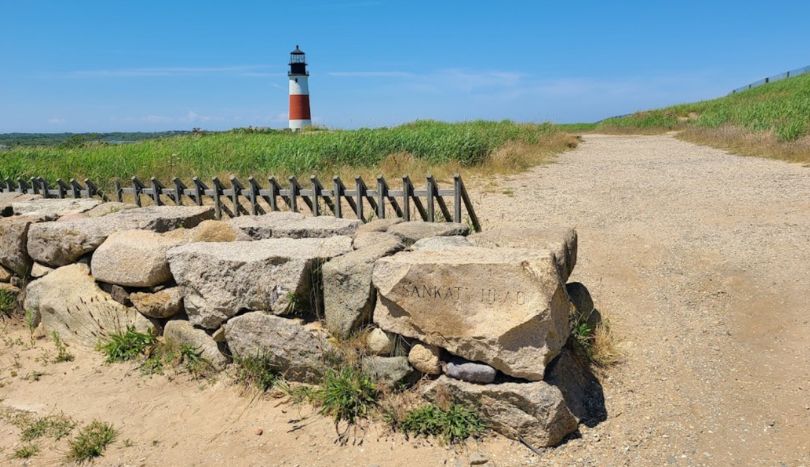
(421, 146)
(771, 120)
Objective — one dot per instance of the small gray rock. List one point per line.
(470, 371)
(379, 343)
(390, 371)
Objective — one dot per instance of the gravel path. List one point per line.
(701, 261)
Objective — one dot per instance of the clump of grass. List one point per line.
(256, 371)
(192, 360)
(592, 339)
(52, 426)
(62, 354)
(8, 303)
(30, 320)
(127, 345)
(347, 394)
(91, 442)
(166, 352)
(604, 351)
(26, 452)
(452, 425)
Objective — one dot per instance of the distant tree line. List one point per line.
(72, 140)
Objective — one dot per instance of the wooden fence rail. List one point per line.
(251, 198)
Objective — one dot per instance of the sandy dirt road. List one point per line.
(700, 259)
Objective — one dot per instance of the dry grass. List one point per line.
(604, 347)
(750, 143)
(511, 158)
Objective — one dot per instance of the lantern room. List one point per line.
(298, 63)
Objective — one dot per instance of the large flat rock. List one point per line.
(133, 258)
(69, 302)
(531, 412)
(221, 279)
(504, 307)
(411, 232)
(294, 225)
(7, 198)
(295, 351)
(60, 243)
(54, 207)
(561, 241)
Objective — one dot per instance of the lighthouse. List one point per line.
(299, 91)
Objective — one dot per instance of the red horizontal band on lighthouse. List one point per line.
(299, 107)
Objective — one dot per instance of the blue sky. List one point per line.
(160, 65)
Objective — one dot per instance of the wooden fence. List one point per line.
(253, 199)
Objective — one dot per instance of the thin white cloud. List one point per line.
(56, 121)
(371, 74)
(456, 78)
(240, 70)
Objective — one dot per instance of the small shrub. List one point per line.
(257, 371)
(26, 452)
(125, 346)
(91, 441)
(8, 303)
(62, 354)
(455, 424)
(347, 394)
(52, 426)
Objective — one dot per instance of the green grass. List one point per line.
(127, 345)
(51, 426)
(347, 394)
(782, 107)
(256, 371)
(455, 424)
(277, 153)
(26, 452)
(8, 303)
(62, 354)
(91, 441)
(166, 352)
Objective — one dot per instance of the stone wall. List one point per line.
(481, 318)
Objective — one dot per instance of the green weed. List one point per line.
(52, 426)
(26, 452)
(347, 394)
(8, 303)
(62, 354)
(128, 345)
(457, 423)
(91, 441)
(256, 371)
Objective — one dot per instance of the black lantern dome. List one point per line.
(298, 62)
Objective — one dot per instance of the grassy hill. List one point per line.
(771, 120)
(416, 148)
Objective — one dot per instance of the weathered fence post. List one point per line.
(137, 189)
(157, 189)
(179, 191)
(337, 196)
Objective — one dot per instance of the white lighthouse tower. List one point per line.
(299, 91)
